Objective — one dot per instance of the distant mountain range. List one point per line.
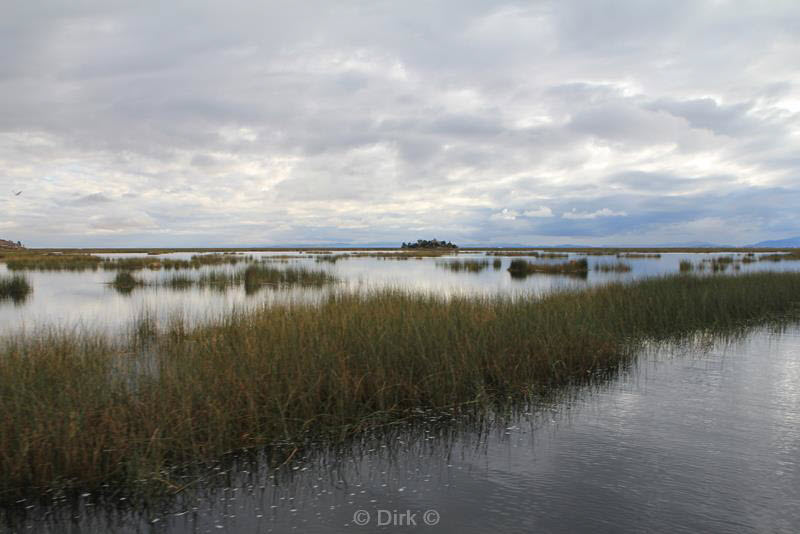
(790, 242)
(690, 244)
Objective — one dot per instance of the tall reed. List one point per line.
(253, 278)
(618, 267)
(14, 287)
(467, 266)
(520, 267)
(639, 255)
(52, 262)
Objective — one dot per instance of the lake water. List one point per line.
(86, 298)
(702, 437)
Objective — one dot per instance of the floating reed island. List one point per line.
(84, 411)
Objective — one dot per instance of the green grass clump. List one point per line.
(721, 263)
(124, 282)
(217, 279)
(520, 267)
(686, 266)
(14, 287)
(257, 276)
(618, 267)
(464, 266)
(178, 281)
(81, 409)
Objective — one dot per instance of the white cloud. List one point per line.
(504, 215)
(605, 212)
(543, 211)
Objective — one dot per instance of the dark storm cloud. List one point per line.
(251, 122)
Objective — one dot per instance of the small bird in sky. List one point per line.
(17, 193)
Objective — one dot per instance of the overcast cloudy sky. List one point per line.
(592, 122)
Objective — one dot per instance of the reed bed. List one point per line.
(788, 256)
(154, 264)
(686, 266)
(639, 255)
(618, 267)
(253, 278)
(124, 282)
(521, 267)
(721, 263)
(553, 255)
(14, 287)
(52, 262)
(510, 253)
(179, 281)
(80, 409)
(464, 266)
(332, 258)
(256, 276)
(139, 263)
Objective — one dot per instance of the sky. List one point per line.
(258, 123)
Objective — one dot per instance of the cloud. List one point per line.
(250, 123)
(605, 212)
(504, 215)
(543, 211)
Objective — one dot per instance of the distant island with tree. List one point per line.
(428, 243)
(10, 244)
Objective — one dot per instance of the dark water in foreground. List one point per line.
(700, 438)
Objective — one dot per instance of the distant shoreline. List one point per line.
(595, 250)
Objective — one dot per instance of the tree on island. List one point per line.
(10, 244)
(429, 243)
